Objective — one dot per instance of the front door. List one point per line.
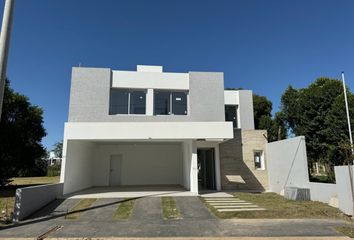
(115, 170)
(206, 169)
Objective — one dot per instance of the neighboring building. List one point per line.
(53, 159)
(149, 127)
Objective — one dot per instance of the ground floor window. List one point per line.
(258, 159)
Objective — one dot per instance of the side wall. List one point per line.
(31, 199)
(287, 164)
(142, 164)
(237, 164)
(343, 189)
(78, 165)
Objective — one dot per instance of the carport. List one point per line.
(110, 165)
(159, 158)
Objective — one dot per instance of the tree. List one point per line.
(262, 108)
(318, 113)
(21, 132)
(58, 149)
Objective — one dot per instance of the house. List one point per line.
(149, 127)
(53, 159)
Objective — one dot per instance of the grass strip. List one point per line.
(169, 208)
(124, 209)
(76, 211)
(277, 207)
(348, 231)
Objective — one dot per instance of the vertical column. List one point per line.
(63, 160)
(186, 164)
(150, 102)
(217, 167)
(194, 168)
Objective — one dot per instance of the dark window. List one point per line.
(137, 102)
(125, 101)
(161, 103)
(166, 103)
(258, 159)
(179, 103)
(119, 101)
(231, 114)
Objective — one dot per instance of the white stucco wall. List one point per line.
(287, 164)
(142, 163)
(343, 188)
(78, 166)
(153, 80)
(287, 167)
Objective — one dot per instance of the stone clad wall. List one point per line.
(237, 164)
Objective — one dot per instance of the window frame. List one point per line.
(171, 102)
(129, 90)
(236, 107)
(262, 162)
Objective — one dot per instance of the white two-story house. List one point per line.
(149, 127)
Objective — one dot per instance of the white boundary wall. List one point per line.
(287, 167)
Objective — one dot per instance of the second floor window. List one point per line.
(231, 114)
(170, 103)
(126, 101)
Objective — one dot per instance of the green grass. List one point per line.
(347, 231)
(76, 211)
(279, 207)
(34, 180)
(169, 208)
(124, 210)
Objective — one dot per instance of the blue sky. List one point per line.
(259, 45)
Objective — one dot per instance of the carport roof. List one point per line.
(148, 130)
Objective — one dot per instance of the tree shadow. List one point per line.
(48, 212)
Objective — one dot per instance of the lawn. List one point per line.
(34, 180)
(279, 207)
(7, 194)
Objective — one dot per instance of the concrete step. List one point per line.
(240, 210)
(227, 203)
(237, 206)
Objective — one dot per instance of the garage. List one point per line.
(125, 164)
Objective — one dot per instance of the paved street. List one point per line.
(147, 221)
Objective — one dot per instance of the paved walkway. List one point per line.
(147, 221)
(231, 204)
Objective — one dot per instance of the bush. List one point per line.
(53, 170)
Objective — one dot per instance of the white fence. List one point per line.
(287, 167)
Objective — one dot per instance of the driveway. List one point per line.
(147, 221)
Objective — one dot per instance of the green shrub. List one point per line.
(53, 170)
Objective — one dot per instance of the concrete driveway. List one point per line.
(147, 221)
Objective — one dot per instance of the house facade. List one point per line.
(149, 127)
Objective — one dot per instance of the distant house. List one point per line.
(53, 159)
(149, 127)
